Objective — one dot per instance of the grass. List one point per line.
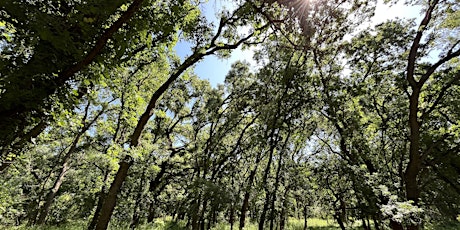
(167, 224)
(74, 225)
(292, 224)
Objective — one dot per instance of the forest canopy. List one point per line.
(103, 125)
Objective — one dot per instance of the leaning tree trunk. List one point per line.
(66, 165)
(136, 214)
(111, 198)
(247, 193)
(365, 225)
(264, 209)
(277, 183)
(101, 196)
(267, 190)
(52, 193)
(151, 214)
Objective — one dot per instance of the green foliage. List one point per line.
(321, 129)
(74, 225)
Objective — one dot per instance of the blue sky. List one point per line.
(215, 69)
(211, 67)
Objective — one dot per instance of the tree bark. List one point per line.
(305, 217)
(245, 206)
(203, 213)
(415, 161)
(136, 215)
(111, 198)
(100, 202)
(52, 193)
(365, 225)
(264, 210)
(267, 190)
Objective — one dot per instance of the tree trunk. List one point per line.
(151, 214)
(305, 217)
(136, 215)
(65, 164)
(245, 206)
(282, 220)
(64, 168)
(153, 187)
(277, 183)
(100, 202)
(264, 210)
(195, 216)
(231, 219)
(283, 215)
(340, 221)
(376, 223)
(264, 182)
(203, 213)
(110, 201)
(52, 193)
(365, 225)
(415, 161)
(32, 216)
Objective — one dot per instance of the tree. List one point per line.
(47, 58)
(337, 120)
(200, 50)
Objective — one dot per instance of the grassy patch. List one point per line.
(167, 223)
(312, 223)
(74, 225)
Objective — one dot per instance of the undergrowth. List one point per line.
(168, 224)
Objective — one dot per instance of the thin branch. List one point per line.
(416, 44)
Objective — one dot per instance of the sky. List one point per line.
(215, 69)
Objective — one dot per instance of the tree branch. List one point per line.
(416, 44)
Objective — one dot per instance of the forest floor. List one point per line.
(168, 224)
